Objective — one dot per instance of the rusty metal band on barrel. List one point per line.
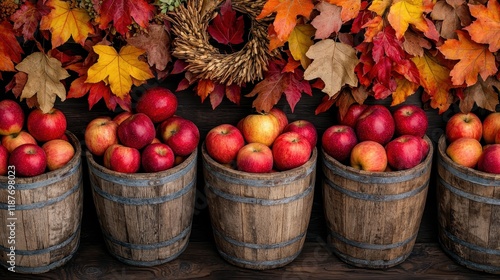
(260, 263)
(259, 246)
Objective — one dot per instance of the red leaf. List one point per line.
(10, 50)
(226, 28)
(217, 95)
(179, 66)
(385, 44)
(17, 83)
(27, 18)
(183, 84)
(233, 93)
(125, 12)
(325, 105)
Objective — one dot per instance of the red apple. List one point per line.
(100, 133)
(157, 157)
(489, 161)
(404, 152)
(260, 128)
(410, 119)
(46, 126)
(291, 149)
(118, 119)
(351, 116)
(223, 143)
(58, 153)
(280, 116)
(465, 151)
(375, 124)
(157, 103)
(338, 141)
(304, 128)
(4, 160)
(491, 126)
(464, 125)
(11, 117)
(180, 134)
(123, 159)
(255, 158)
(15, 140)
(425, 147)
(29, 160)
(136, 131)
(369, 156)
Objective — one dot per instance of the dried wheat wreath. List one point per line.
(189, 25)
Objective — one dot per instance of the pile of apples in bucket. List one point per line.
(152, 139)
(40, 146)
(262, 143)
(371, 138)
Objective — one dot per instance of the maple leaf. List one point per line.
(334, 63)
(350, 8)
(64, 22)
(328, 21)
(27, 18)
(287, 12)
(119, 69)
(156, 42)
(406, 12)
(44, 75)
(482, 94)
(414, 44)
(380, 6)
(373, 27)
(204, 88)
(10, 50)
(226, 28)
(217, 95)
(274, 41)
(453, 17)
(474, 59)
(486, 28)
(123, 13)
(300, 41)
(325, 104)
(403, 90)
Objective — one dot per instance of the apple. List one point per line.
(157, 103)
(291, 149)
(46, 126)
(29, 160)
(4, 160)
(369, 156)
(260, 128)
(463, 125)
(338, 141)
(58, 153)
(123, 159)
(375, 124)
(178, 160)
(136, 131)
(425, 147)
(404, 152)
(280, 116)
(155, 140)
(15, 140)
(157, 157)
(100, 133)
(351, 116)
(255, 158)
(11, 117)
(489, 161)
(180, 134)
(118, 119)
(223, 143)
(410, 119)
(465, 151)
(491, 125)
(304, 128)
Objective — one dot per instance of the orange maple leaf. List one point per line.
(350, 8)
(486, 28)
(405, 12)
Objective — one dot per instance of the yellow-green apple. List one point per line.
(464, 125)
(58, 152)
(338, 141)
(351, 116)
(118, 119)
(121, 158)
(223, 143)
(136, 131)
(100, 133)
(11, 117)
(404, 152)
(369, 156)
(491, 125)
(489, 161)
(29, 160)
(260, 128)
(304, 128)
(4, 160)
(291, 149)
(376, 124)
(465, 151)
(15, 140)
(410, 119)
(157, 103)
(180, 134)
(280, 116)
(157, 157)
(255, 158)
(46, 126)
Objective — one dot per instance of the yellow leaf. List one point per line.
(118, 69)
(44, 75)
(65, 22)
(406, 12)
(404, 89)
(379, 6)
(300, 41)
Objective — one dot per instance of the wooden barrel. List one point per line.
(373, 217)
(41, 216)
(468, 214)
(145, 218)
(259, 221)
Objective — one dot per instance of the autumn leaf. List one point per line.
(64, 22)
(404, 89)
(334, 63)
(10, 50)
(373, 27)
(350, 8)
(380, 6)
(156, 42)
(27, 18)
(483, 94)
(486, 28)
(204, 88)
(325, 104)
(44, 76)
(300, 41)
(123, 13)
(226, 28)
(452, 16)
(119, 69)
(415, 44)
(406, 12)
(328, 21)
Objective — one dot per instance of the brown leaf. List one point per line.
(156, 43)
(415, 44)
(454, 14)
(482, 94)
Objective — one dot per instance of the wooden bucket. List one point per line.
(41, 217)
(373, 217)
(259, 221)
(468, 214)
(145, 218)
